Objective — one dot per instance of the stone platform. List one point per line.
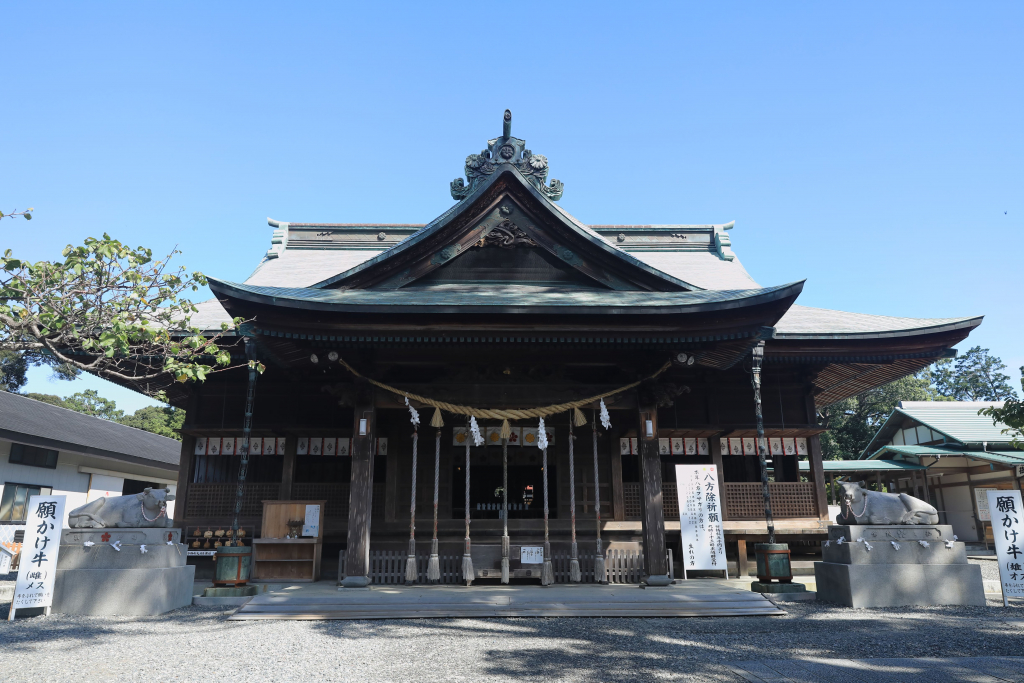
(100, 580)
(695, 598)
(851, 574)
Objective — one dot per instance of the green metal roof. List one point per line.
(957, 420)
(1000, 457)
(862, 465)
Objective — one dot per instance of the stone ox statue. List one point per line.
(146, 509)
(861, 506)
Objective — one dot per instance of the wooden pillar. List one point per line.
(742, 564)
(924, 480)
(187, 460)
(878, 480)
(652, 514)
(360, 501)
(391, 483)
(715, 446)
(291, 447)
(618, 500)
(188, 449)
(817, 475)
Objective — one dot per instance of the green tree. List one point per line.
(974, 376)
(112, 311)
(89, 402)
(164, 421)
(853, 421)
(13, 367)
(1011, 415)
(48, 398)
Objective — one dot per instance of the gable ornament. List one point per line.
(506, 150)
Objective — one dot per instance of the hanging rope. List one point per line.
(500, 414)
(547, 576)
(434, 564)
(574, 563)
(599, 569)
(410, 562)
(467, 558)
(504, 505)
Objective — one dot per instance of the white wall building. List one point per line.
(46, 449)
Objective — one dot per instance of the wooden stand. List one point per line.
(276, 558)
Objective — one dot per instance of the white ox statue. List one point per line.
(146, 509)
(861, 506)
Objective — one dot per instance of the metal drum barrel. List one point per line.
(233, 564)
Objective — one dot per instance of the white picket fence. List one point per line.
(621, 567)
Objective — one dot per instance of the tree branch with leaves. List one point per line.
(113, 311)
(1011, 415)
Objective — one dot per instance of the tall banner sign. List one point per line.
(700, 518)
(1007, 515)
(38, 568)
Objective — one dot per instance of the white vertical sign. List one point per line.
(38, 567)
(700, 518)
(1007, 514)
(311, 524)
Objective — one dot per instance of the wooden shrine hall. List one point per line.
(498, 309)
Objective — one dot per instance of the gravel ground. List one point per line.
(197, 643)
(989, 568)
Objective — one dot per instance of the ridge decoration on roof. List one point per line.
(506, 150)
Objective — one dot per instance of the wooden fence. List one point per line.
(621, 567)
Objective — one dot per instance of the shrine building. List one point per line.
(505, 303)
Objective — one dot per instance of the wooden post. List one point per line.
(817, 476)
(618, 501)
(652, 514)
(742, 564)
(185, 464)
(391, 484)
(187, 461)
(360, 501)
(291, 447)
(715, 446)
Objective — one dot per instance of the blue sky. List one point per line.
(872, 148)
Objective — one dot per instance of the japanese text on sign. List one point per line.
(37, 571)
(1007, 514)
(700, 517)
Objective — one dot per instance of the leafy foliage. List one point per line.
(852, 422)
(974, 376)
(87, 402)
(163, 421)
(1011, 415)
(110, 310)
(13, 366)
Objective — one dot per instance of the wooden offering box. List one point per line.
(276, 558)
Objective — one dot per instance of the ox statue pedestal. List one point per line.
(115, 576)
(867, 569)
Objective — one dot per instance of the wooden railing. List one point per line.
(743, 500)
(790, 499)
(621, 566)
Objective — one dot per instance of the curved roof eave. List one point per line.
(945, 326)
(562, 303)
(556, 211)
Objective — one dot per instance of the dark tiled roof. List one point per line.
(25, 420)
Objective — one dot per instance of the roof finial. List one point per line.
(506, 130)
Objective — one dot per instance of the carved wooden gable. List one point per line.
(505, 231)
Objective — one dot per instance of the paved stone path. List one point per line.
(904, 670)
